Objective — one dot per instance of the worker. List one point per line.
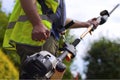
(31, 29)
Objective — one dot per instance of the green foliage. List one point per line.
(65, 38)
(69, 38)
(104, 60)
(0, 5)
(13, 56)
(7, 69)
(67, 74)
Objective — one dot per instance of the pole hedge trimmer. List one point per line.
(44, 63)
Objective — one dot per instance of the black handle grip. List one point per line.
(76, 42)
(69, 24)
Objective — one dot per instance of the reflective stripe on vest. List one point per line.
(24, 18)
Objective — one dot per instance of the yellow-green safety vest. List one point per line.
(19, 27)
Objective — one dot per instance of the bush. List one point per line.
(7, 69)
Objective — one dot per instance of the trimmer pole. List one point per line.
(114, 9)
(101, 20)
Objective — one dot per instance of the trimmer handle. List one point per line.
(101, 20)
(103, 17)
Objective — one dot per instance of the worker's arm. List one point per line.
(80, 24)
(29, 7)
(39, 32)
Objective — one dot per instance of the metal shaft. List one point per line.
(114, 9)
(90, 28)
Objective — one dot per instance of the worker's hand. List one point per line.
(93, 22)
(40, 32)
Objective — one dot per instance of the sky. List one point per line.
(84, 10)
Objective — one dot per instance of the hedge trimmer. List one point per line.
(44, 63)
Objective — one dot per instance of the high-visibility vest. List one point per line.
(19, 27)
